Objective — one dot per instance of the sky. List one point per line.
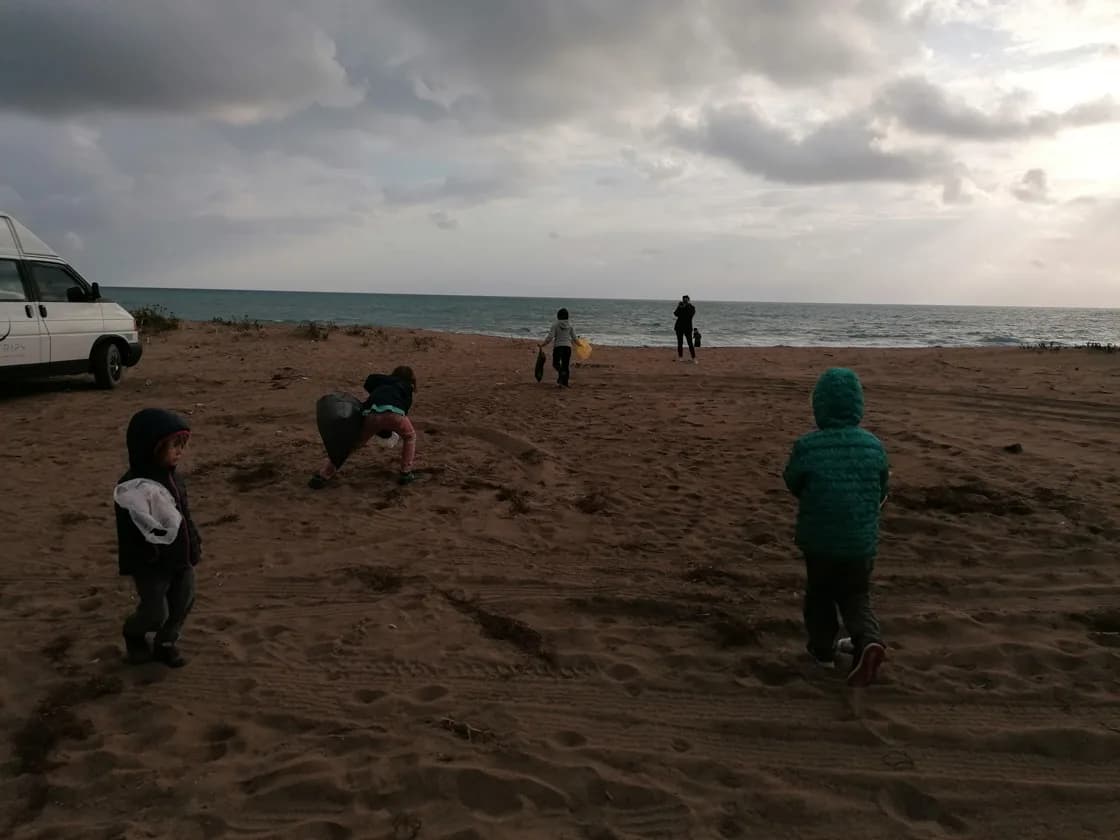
(876, 151)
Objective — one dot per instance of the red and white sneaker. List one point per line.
(866, 668)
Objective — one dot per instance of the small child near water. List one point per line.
(158, 545)
(840, 476)
(562, 336)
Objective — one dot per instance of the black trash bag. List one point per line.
(339, 417)
(539, 370)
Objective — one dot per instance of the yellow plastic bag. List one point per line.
(581, 347)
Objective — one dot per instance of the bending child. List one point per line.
(385, 413)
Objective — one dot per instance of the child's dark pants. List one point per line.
(562, 361)
(839, 585)
(166, 598)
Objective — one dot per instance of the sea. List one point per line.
(646, 323)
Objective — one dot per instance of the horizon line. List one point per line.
(624, 299)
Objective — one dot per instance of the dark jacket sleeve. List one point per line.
(134, 554)
(794, 474)
(192, 531)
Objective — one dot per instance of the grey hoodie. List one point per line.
(562, 333)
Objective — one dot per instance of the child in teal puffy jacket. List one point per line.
(839, 475)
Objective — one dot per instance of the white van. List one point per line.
(54, 323)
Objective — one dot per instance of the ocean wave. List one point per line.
(644, 323)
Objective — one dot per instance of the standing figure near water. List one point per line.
(384, 414)
(840, 476)
(562, 336)
(684, 313)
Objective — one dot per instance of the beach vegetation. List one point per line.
(153, 320)
(315, 330)
(1057, 347)
(244, 324)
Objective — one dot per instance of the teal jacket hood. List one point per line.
(838, 399)
(839, 474)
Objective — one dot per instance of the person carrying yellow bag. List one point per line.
(563, 337)
(581, 349)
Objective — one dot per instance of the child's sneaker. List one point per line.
(828, 663)
(169, 655)
(866, 668)
(136, 650)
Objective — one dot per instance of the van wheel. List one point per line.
(108, 366)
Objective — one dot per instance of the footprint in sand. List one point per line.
(497, 797)
(569, 740)
(219, 738)
(916, 809)
(323, 830)
(368, 695)
(623, 672)
(430, 693)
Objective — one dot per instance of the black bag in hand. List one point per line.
(339, 417)
(539, 370)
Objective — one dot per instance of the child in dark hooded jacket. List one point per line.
(839, 475)
(158, 544)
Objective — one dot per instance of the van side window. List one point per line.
(7, 240)
(55, 284)
(11, 287)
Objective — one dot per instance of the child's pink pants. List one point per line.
(385, 422)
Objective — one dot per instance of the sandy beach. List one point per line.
(584, 621)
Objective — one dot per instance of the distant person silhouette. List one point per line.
(684, 313)
(696, 337)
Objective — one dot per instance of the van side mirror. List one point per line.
(96, 291)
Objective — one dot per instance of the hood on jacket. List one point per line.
(388, 390)
(147, 430)
(838, 399)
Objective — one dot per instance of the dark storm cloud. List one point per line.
(840, 151)
(539, 60)
(63, 56)
(925, 108)
(503, 61)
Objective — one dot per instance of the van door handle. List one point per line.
(42, 310)
(27, 309)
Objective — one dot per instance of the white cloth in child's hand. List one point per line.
(152, 509)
